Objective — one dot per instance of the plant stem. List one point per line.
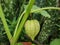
(53, 8)
(36, 42)
(15, 38)
(18, 23)
(46, 8)
(5, 23)
(19, 18)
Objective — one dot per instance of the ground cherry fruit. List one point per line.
(32, 27)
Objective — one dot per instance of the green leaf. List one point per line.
(38, 10)
(45, 13)
(55, 42)
(42, 12)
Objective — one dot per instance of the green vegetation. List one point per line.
(14, 14)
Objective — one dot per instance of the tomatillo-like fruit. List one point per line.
(32, 27)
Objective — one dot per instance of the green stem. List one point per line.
(53, 8)
(46, 8)
(19, 18)
(5, 24)
(31, 2)
(18, 23)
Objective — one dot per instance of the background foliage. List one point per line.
(50, 27)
